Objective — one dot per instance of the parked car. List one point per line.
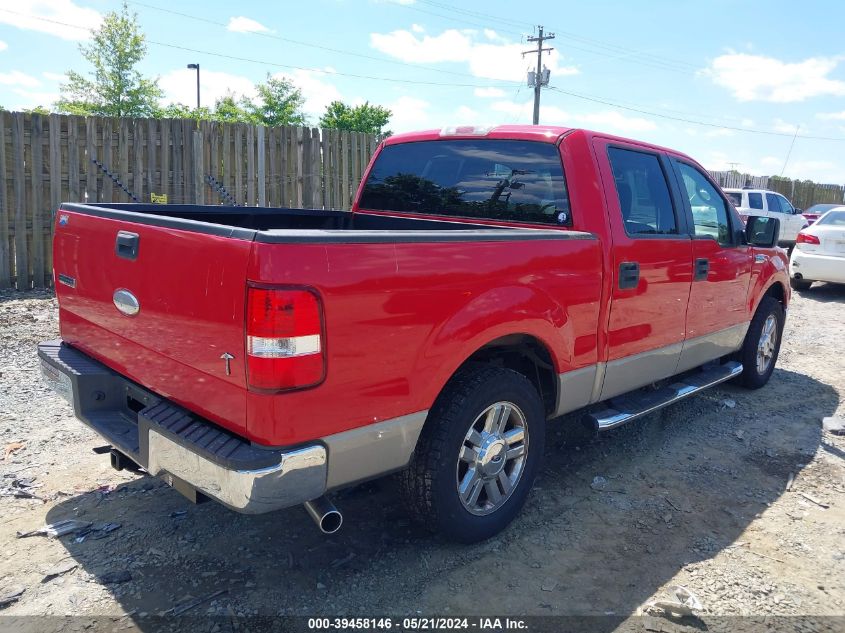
(762, 202)
(266, 357)
(819, 254)
(817, 210)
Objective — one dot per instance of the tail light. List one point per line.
(806, 238)
(284, 339)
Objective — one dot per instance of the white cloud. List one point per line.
(417, 28)
(760, 78)
(607, 120)
(3, 45)
(409, 113)
(317, 91)
(831, 116)
(241, 24)
(502, 60)
(33, 98)
(54, 76)
(785, 127)
(38, 12)
(17, 78)
(465, 114)
(613, 120)
(180, 86)
(489, 93)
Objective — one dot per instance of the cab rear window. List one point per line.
(509, 180)
(735, 198)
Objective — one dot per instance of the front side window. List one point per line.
(643, 193)
(785, 205)
(709, 210)
(755, 201)
(518, 181)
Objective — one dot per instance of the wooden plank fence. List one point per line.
(49, 159)
(802, 193)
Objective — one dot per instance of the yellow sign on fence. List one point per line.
(156, 198)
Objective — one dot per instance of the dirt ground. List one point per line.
(695, 496)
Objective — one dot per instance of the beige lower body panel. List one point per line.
(376, 449)
(702, 349)
(602, 381)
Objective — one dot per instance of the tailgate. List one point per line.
(190, 289)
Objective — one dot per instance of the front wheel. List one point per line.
(760, 349)
(477, 456)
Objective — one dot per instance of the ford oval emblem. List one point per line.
(126, 302)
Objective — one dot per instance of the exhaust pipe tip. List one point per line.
(327, 517)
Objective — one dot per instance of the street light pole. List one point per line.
(197, 67)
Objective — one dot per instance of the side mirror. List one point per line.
(761, 231)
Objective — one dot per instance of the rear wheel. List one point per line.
(477, 456)
(760, 349)
(799, 284)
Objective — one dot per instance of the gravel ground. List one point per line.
(695, 496)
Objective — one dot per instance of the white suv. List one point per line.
(769, 204)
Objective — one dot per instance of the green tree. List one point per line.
(361, 118)
(114, 87)
(227, 109)
(279, 103)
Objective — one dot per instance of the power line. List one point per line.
(693, 122)
(278, 65)
(789, 153)
(613, 51)
(300, 42)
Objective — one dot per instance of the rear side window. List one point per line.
(479, 178)
(755, 201)
(643, 193)
(735, 197)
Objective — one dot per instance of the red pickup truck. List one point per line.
(486, 281)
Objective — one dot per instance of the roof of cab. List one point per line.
(544, 133)
(541, 133)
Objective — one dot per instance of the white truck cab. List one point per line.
(769, 204)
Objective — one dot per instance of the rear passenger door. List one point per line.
(717, 315)
(651, 266)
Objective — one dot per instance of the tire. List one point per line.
(756, 374)
(444, 455)
(799, 284)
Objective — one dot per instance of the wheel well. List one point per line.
(528, 356)
(777, 292)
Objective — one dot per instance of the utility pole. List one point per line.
(540, 77)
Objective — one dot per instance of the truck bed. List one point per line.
(281, 224)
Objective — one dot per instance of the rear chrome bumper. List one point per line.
(183, 449)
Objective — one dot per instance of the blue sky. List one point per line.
(629, 68)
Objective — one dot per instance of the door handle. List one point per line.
(126, 245)
(702, 267)
(629, 275)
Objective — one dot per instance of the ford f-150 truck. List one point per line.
(485, 281)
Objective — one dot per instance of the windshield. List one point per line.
(821, 208)
(735, 197)
(833, 218)
(478, 178)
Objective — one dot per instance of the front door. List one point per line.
(717, 317)
(651, 267)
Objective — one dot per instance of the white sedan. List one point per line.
(819, 253)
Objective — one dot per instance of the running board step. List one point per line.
(637, 404)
